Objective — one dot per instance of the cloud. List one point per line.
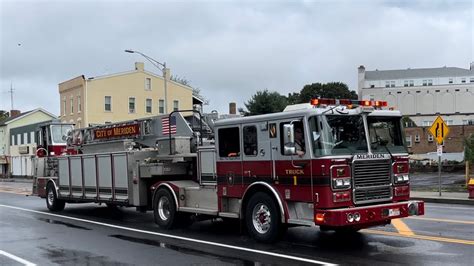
(228, 49)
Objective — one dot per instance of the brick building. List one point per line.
(420, 141)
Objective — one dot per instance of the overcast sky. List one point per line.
(228, 49)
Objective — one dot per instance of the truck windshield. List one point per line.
(345, 135)
(59, 133)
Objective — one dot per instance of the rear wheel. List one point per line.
(52, 202)
(263, 218)
(164, 209)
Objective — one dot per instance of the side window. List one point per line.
(229, 142)
(299, 137)
(250, 140)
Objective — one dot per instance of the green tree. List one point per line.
(337, 90)
(4, 115)
(264, 102)
(293, 98)
(469, 152)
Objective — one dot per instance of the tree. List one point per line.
(337, 90)
(293, 98)
(264, 102)
(469, 153)
(4, 115)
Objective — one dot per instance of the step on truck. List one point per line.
(338, 164)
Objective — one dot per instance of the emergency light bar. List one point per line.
(326, 101)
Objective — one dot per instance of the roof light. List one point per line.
(348, 102)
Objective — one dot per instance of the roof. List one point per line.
(11, 119)
(299, 112)
(418, 73)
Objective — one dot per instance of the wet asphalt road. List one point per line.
(444, 236)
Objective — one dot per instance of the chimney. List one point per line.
(361, 79)
(139, 66)
(232, 108)
(471, 66)
(14, 113)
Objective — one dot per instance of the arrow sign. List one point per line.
(439, 130)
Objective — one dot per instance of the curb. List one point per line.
(445, 200)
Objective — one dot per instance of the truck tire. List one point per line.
(164, 209)
(263, 218)
(52, 202)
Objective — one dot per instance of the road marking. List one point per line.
(268, 253)
(441, 220)
(422, 237)
(446, 207)
(402, 228)
(17, 259)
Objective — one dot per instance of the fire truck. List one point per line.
(338, 164)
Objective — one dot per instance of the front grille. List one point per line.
(372, 180)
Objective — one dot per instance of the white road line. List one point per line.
(446, 207)
(176, 237)
(15, 258)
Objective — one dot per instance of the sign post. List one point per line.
(439, 130)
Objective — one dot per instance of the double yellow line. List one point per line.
(405, 231)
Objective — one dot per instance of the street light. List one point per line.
(160, 66)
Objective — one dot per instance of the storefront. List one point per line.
(3, 166)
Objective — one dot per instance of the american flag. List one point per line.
(166, 123)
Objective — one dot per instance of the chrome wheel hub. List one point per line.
(50, 197)
(261, 218)
(164, 208)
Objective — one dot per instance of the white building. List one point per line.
(423, 93)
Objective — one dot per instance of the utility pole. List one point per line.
(11, 95)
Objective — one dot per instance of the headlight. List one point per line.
(342, 183)
(402, 178)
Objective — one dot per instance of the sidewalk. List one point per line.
(446, 197)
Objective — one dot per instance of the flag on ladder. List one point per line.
(167, 124)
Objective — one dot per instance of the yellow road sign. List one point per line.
(439, 130)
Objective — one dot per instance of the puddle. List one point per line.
(63, 256)
(187, 251)
(50, 221)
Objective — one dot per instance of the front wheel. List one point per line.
(263, 218)
(164, 209)
(52, 202)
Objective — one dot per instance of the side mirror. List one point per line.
(289, 139)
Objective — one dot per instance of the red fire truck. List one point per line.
(338, 164)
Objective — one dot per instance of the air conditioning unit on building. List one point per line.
(24, 149)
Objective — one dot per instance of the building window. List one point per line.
(148, 104)
(372, 97)
(412, 83)
(79, 106)
(372, 85)
(13, 141)
(175, 105)
(450, 81)
(148, 84)
(463, 80)
(387, 84)
(430, 82)
(392, 83)
(417, 138)
(250, 140)
(131, 105)
(229, 142)
(408, 141)
(471, 80)
(32, 137)
(427, 123)
(430, 138)
(78, 124)
(25, 138)
(449, 122)
(161, 106)
(18, 139)
(108, 103)
(72, 105)
(405, 83)
(425, 82)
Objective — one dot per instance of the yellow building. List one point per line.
(120, 97)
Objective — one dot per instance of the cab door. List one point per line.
(256, 163)
(229, 161)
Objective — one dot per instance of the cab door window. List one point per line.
(229, 142)
(250, 140)
(300, 144)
